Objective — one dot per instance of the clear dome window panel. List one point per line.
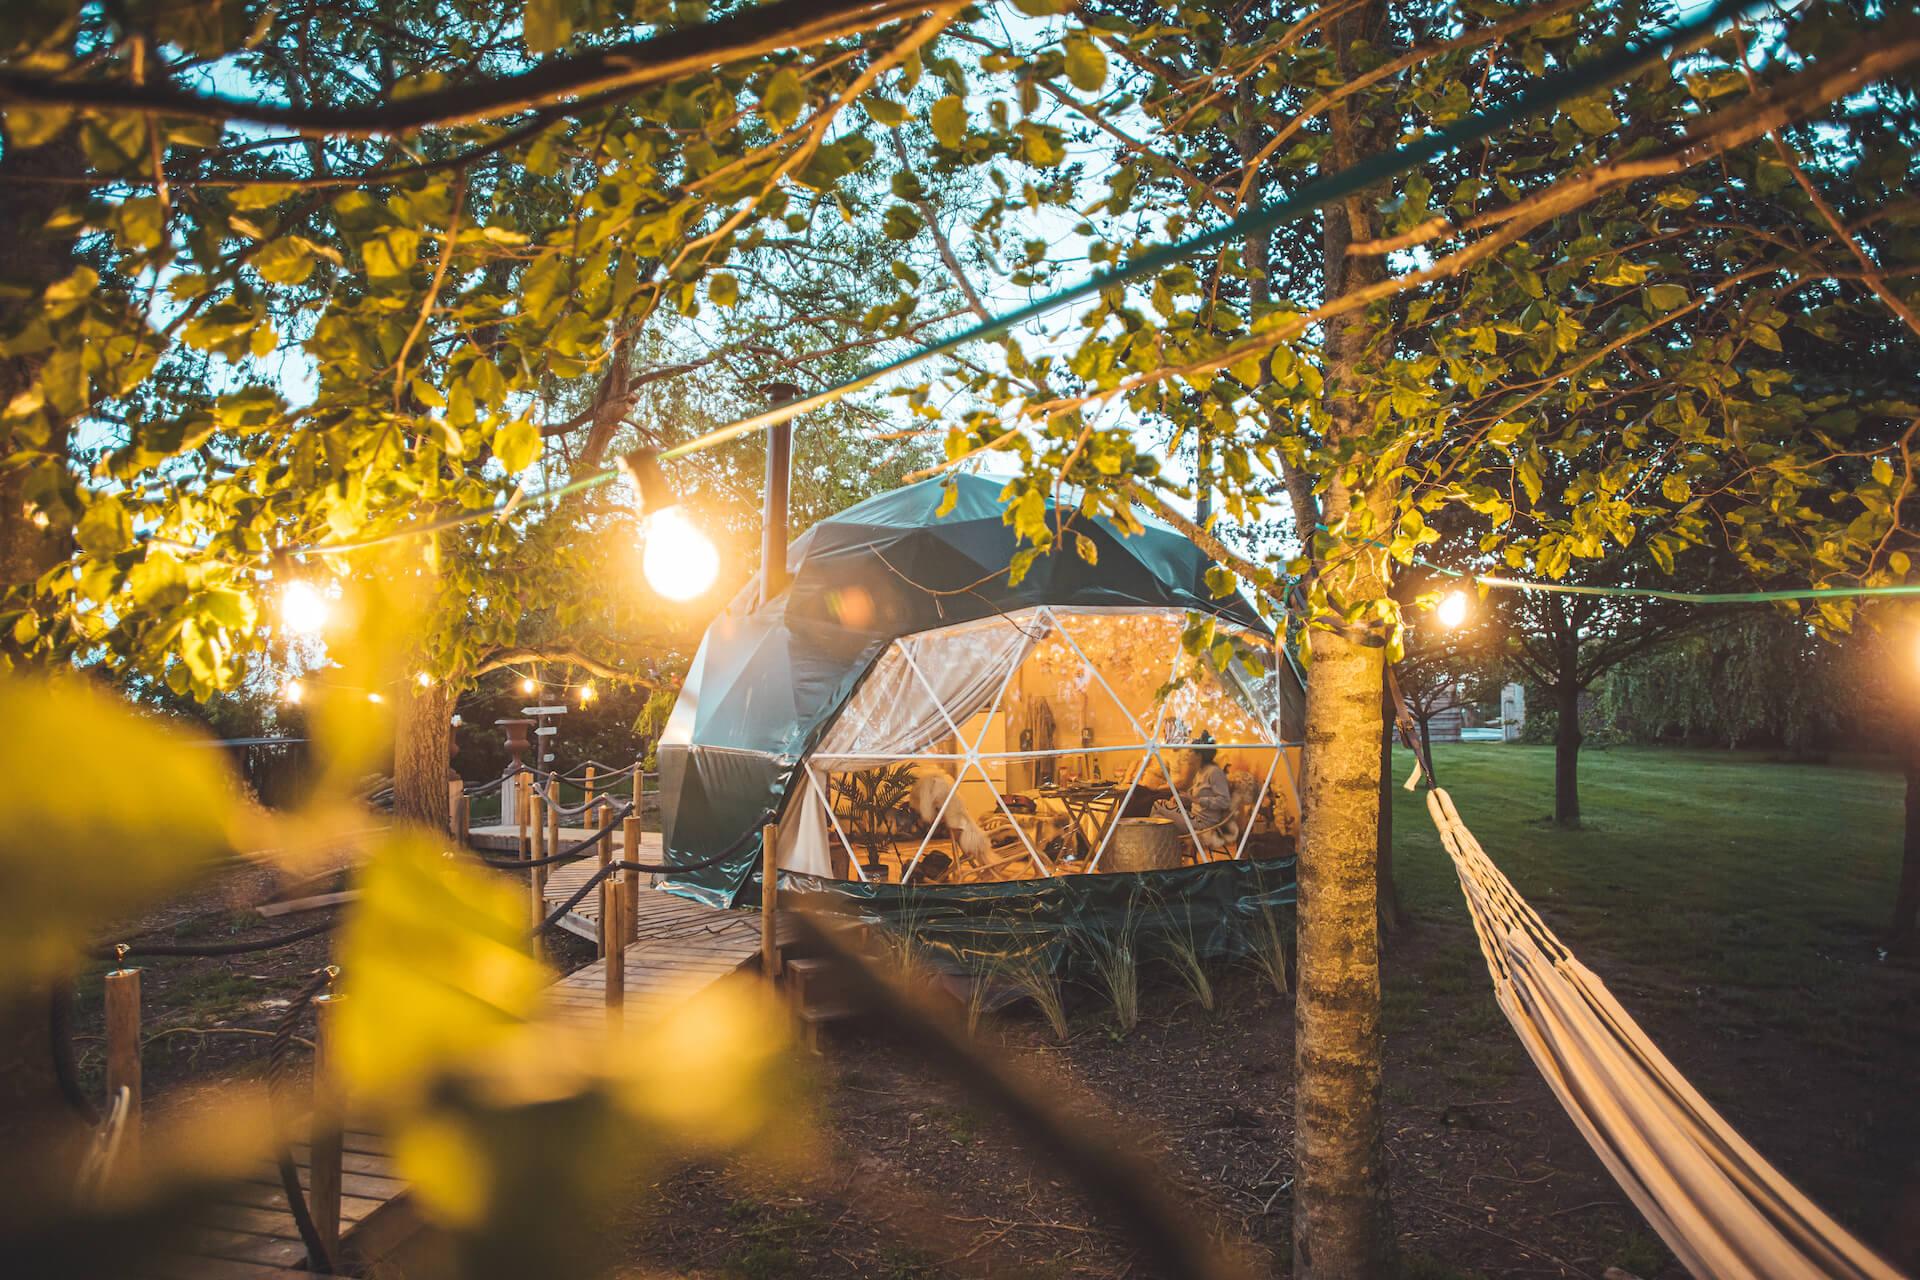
(1061, 701)
(1228, 705)
(963, 672)
(880, 716)
(1128, 656)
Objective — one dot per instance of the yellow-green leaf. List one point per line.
(1086, 64)
(517, 445)
(76, 857)
(783, 97)
(949, 120)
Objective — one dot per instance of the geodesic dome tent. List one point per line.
(914, 722)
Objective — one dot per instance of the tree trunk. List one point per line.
(1342, 1224)
(1566, 757)
(1905, 931)
(1391, 917)
(31, 260)
(32, 1109)
(422, 754)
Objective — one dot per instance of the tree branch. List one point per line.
(567, 657)
(619, 69)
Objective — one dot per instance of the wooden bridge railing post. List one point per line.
(123, 1054)
(614, 929)
(605, 851)
(586, 789)
(326, 1143)
(639, 787)
(552, 802)
(769, 900)
(537, 876)
(630, 851)
(522, 796)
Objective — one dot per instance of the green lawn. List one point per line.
(1763, 883)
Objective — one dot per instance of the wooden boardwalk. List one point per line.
(679, 947)
(249, 1234)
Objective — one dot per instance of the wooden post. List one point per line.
(639, 787)
(630, 842)
(586, 789)
(616, 963)
(456, 792)
(523, 795)
(123, 1054)
(552, 802)
(537, 876)
(605, 851)
(769, 900)
(325, 1144)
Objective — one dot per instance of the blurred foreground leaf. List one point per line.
(109, 811)
(438, 971)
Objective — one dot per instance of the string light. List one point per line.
(586, 693)
(528, 685)
(426, 681)
(1452, 610)
(303, 609)
(294, 693)
(679, 561)
(375, 698)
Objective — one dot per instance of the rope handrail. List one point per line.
(576, 776)
(573, 852)
(121, 950)
(319, 1260)
(592, 882)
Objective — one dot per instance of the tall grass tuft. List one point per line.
(1035, 979)
(1183, 953)
(1115, 956)
(1270, 951)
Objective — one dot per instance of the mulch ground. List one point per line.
(912, 1178)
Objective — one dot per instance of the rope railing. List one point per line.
(573, 852)
(319, 1256)
(208, 950)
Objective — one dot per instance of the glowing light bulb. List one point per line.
(426, 681)
(374, 697)
(303, 608)
(1453, 609)
(294, 692)
(528, 684)
(586, 693)
(680, 561)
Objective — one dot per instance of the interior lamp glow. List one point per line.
(303, 609)
(679, 561)
(1453, 609)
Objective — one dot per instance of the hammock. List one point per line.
(1722, 1209)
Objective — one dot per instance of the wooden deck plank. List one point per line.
(680, 947)
(248, 1246)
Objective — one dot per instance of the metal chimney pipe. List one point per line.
(773, 531)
